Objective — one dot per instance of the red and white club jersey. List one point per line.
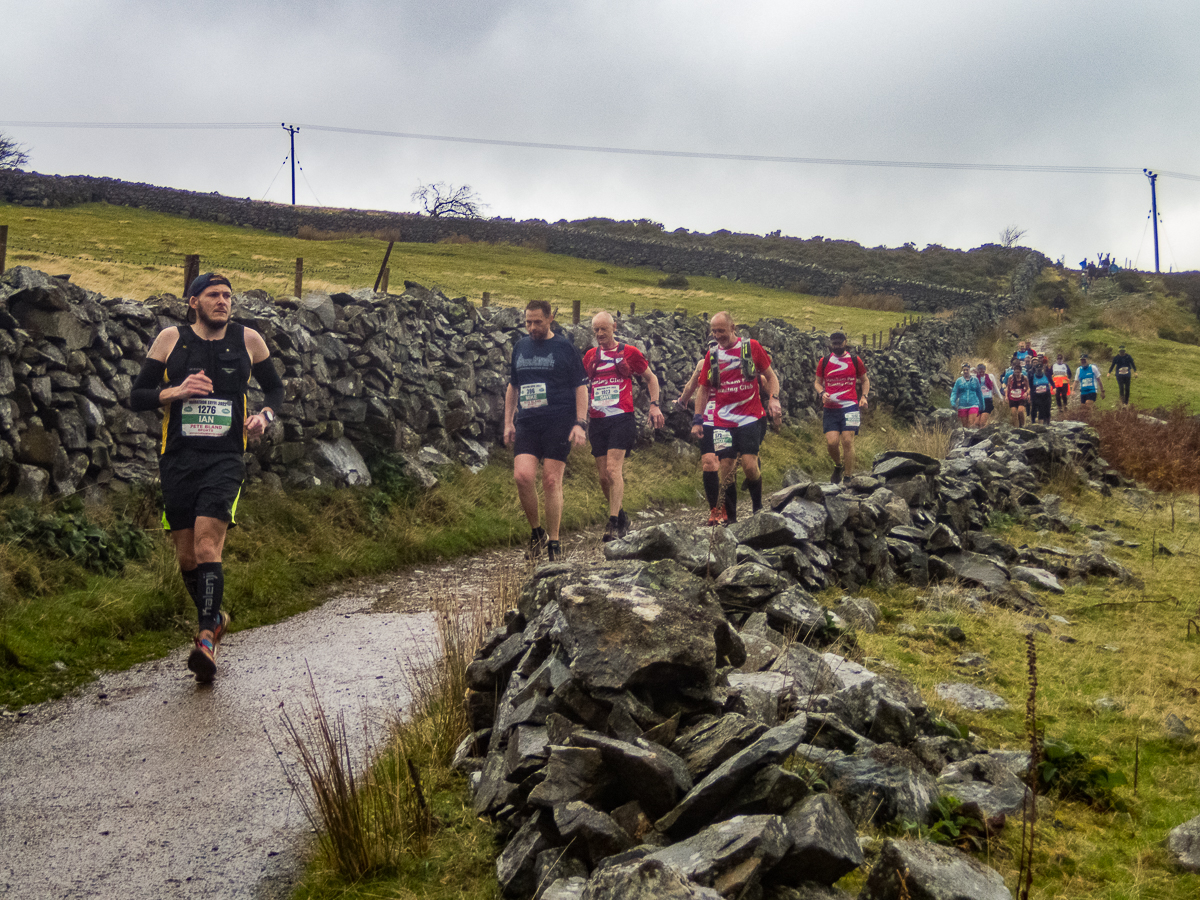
(611, 391)
(737, 397)
(841, 374)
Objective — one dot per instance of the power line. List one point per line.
(632, 151)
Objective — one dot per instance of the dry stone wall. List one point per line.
(33, 189)
(418, 373)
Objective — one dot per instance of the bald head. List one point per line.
(602, 328)
(722, 328)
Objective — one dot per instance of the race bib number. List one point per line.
(1087, 384)
(533, 395)
(1043, 388)
(206, 418)
(853, 419)
(722, 439)
(606, 395)
(1123, 370)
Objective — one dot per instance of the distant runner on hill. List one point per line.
(1126, 370)
(966, 397)
(545, 409)
(612, 429)
(730, 375)
(1087, 377)
(987, 388)
(1041, 386)
(199, 374)
(1016, 392)
(1060, 374)
(842, 387)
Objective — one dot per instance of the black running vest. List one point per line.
(213, 423)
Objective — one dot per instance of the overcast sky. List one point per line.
(1045, 83)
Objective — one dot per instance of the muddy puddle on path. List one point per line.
(146, 785)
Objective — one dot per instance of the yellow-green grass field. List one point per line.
(119, 251)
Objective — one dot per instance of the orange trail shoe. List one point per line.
(718, 516)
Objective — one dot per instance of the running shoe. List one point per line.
(537, 542)
(219, 631)
(622, 524)
(611, 530)
(201, 661)
(838, 472)
(553, 551)
(717, 516)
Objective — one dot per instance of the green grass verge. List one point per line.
(119, 251)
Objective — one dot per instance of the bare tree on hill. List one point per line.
(442, 200)
(12, 154)
(1010, 235)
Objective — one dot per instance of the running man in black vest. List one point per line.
(200, 373)
(1126, 371)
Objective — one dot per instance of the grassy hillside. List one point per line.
(133, 253)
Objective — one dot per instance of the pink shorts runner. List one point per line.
(968, 411)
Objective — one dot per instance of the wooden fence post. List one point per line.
(575, 304)
(299, 276)
(191, 270)
(864, 340)
(3, 245)
(383, 266)
(383, 286)
(487, 299)
(632, 307)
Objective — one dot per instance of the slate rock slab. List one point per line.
(706, 799)
(880, 792)
(704, 551)
(641, 623)
(643, 879)
(968, 696)
(740, 849)
(1183, 843)
(974, 568)
(1038, 578)
(708, 744)
(930, 872)
(824, 843)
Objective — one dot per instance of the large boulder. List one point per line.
(1183, 843)
(916, 870)
(881, 786)
(824, 844)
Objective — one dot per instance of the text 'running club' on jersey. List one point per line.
(611, 373)
(736, 395)
(840, 375)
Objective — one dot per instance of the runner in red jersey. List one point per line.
(730, 376)
(612, 428)
(843, 386)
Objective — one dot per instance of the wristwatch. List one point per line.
(582, 423)
(267, 413)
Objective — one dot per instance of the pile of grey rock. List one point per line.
(675, 721)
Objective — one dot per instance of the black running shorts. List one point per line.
(546, 440)
(197, 483)
(706, 441)
(730, 443)
(835, 420)
(988, 406)
(612, 433)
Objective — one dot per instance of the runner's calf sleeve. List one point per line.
(712, 487)
(210, 591)
(755, 489)
(731, 499)
(191, 581)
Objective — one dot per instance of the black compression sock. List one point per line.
(210, 591)
(191, 582)
(755, 489)
(731, 500)
(712, 487)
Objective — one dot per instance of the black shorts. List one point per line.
(196, 483)
(612, 433)
(706, 441)
(835, 420)
(988, 405)
(1013, 404)
(745, 440)
(545, 440)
